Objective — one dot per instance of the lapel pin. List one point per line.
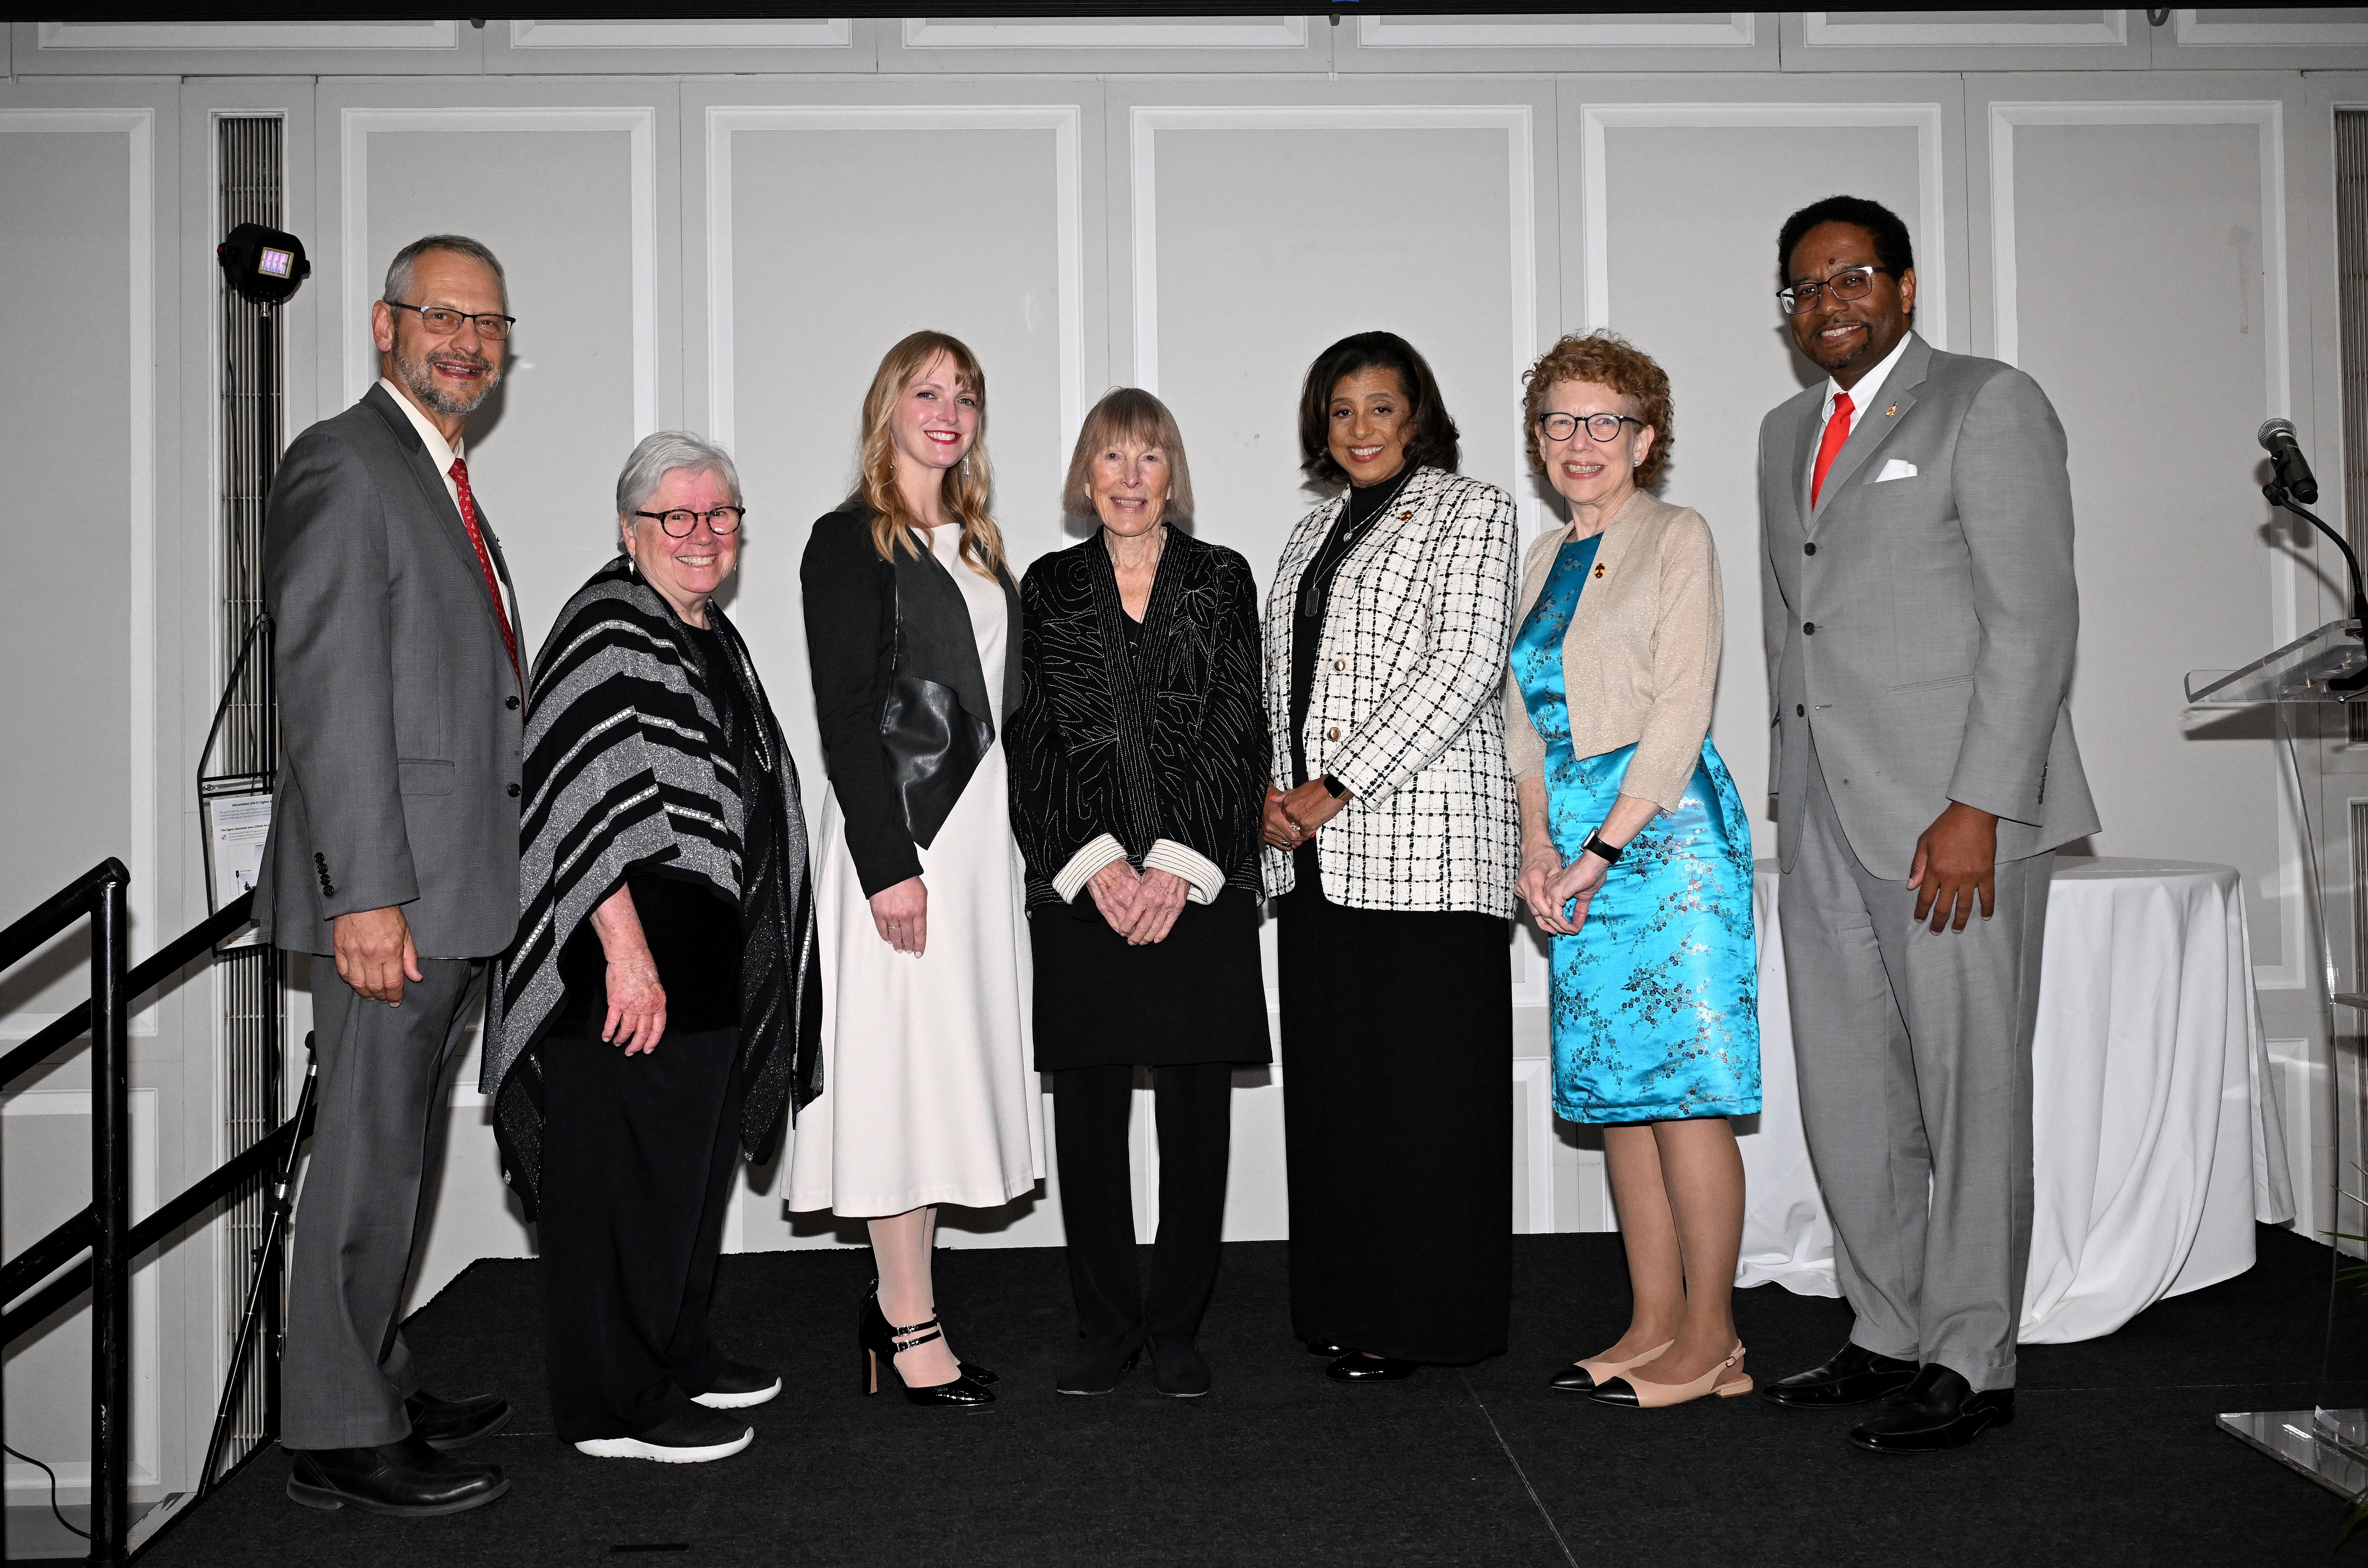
(1599, 569)
(1890, 411)
(1404, 516)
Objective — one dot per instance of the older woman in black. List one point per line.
(1140, 754)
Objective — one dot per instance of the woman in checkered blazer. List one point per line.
(1392, 844)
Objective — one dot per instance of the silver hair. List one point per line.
(660, 455)
(398, 272)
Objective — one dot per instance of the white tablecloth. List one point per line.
(2157, 1143)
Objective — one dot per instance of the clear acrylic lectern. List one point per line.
(2329, 665)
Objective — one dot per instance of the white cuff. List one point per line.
(1100, 851)
(1183, 860)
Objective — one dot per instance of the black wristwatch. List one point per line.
(1595, 845)
(1339, 790)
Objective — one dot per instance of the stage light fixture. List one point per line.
(263, 264)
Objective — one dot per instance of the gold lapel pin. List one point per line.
(1891, 410)
(1404, 515)
(1598, 568)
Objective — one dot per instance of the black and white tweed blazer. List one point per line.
(1404, 708)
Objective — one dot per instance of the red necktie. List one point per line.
(1837, 431)
(459, 473)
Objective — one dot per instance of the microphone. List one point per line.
(2277, 438)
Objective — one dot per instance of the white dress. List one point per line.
(930, 1090)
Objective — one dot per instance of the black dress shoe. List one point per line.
(1176, 1367)
(1330, 1349)
(1940, 1409)
(1101, 1360)
(407, 1479)
(1854, 1376)
(1357, 1366)
(449, 1424)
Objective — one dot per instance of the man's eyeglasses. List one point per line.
(442, 323)
(1603, 428)
(722, 522)
(1850, 283)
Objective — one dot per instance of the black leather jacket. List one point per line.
(899, 693)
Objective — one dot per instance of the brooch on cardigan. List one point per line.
(1599, 569)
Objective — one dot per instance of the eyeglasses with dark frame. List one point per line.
(1850, 283)
(722, 521)
(1604, 428)
(441, 322)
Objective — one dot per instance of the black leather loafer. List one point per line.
(1357, 1366)
(1939, 1411)
(1101, 1360)
(1854, 1376)
(408, 1479)
(450, 1424)
(1177, 1368)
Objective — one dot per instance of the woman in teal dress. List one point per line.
(1637, 862)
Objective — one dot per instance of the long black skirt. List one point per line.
(1398, 1057)
(1195, 996)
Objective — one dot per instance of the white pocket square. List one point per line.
(1897, 467)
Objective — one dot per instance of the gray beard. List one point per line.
(421, 382)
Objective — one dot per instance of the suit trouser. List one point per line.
(368, 1191)
(1195, 1114)
(1913, 1052)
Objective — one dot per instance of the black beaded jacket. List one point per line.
(1163, 740)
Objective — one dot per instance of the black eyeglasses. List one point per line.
(1603, 428)
(1850, 283)
(722, 522)
(442, 323)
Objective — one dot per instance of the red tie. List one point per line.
(459, 473)
(1837, 431)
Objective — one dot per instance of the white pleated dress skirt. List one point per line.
(929, 1089)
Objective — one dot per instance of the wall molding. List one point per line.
(819, 33)
(1534, 1077)
(1213, 32)
(1596, 121)
(1738, 32)
(2094, 30)
(275, 36)
(356, 127)
(138, 126)
(1513, 119)
(1063, 120)
(2188, 30)
(2268, 118)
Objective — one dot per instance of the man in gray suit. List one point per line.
(393, 851)
(1921, 616)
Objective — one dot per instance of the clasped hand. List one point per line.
(1141, 906)
(1550, 888)
(1293, 817)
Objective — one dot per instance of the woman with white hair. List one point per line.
(658, 1010)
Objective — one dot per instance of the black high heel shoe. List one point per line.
(881, 1340)
(974, 1373)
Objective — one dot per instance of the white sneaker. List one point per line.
(739, 1385)
(693, 1437)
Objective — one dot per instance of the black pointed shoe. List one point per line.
(1177, 1368)
(406, 1480)
(1101, 1360)
(1937, 1412)
(1363, 1366)
(1330, 1349)
(450, 1424)
(881, 1340)
(1854, 1375)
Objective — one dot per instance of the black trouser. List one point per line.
(1195, 1118)
(638, 1160)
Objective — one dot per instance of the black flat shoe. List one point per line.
(1331, 1350)
(1101, 1360)
(1855, 1375)
(1357, 1366)
(1939, 1411)
(407, 1480)
(1176, 1367)
(880, 1340)
(449, 1424)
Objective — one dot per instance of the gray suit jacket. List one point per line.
(399, 712)
(1945, 612)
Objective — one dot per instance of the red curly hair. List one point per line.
(1606, 360)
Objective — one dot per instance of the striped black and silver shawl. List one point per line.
(626, 768)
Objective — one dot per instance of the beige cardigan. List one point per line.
(1640, 661)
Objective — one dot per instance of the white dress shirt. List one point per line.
(439, 451)
(1862, 396)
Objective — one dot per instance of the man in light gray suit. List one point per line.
(1921, 618)
(393, 851)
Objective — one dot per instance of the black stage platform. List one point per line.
(2113, 1459)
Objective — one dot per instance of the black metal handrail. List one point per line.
(104, 1229)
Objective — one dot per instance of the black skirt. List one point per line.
(1397, 1061)
(1195, 996)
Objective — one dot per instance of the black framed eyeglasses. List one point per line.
(1850, 283)
(1602, 428)
(722, 522)
(442, 323)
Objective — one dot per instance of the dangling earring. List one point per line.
(965, 465)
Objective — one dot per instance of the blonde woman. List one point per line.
(928, 1093)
